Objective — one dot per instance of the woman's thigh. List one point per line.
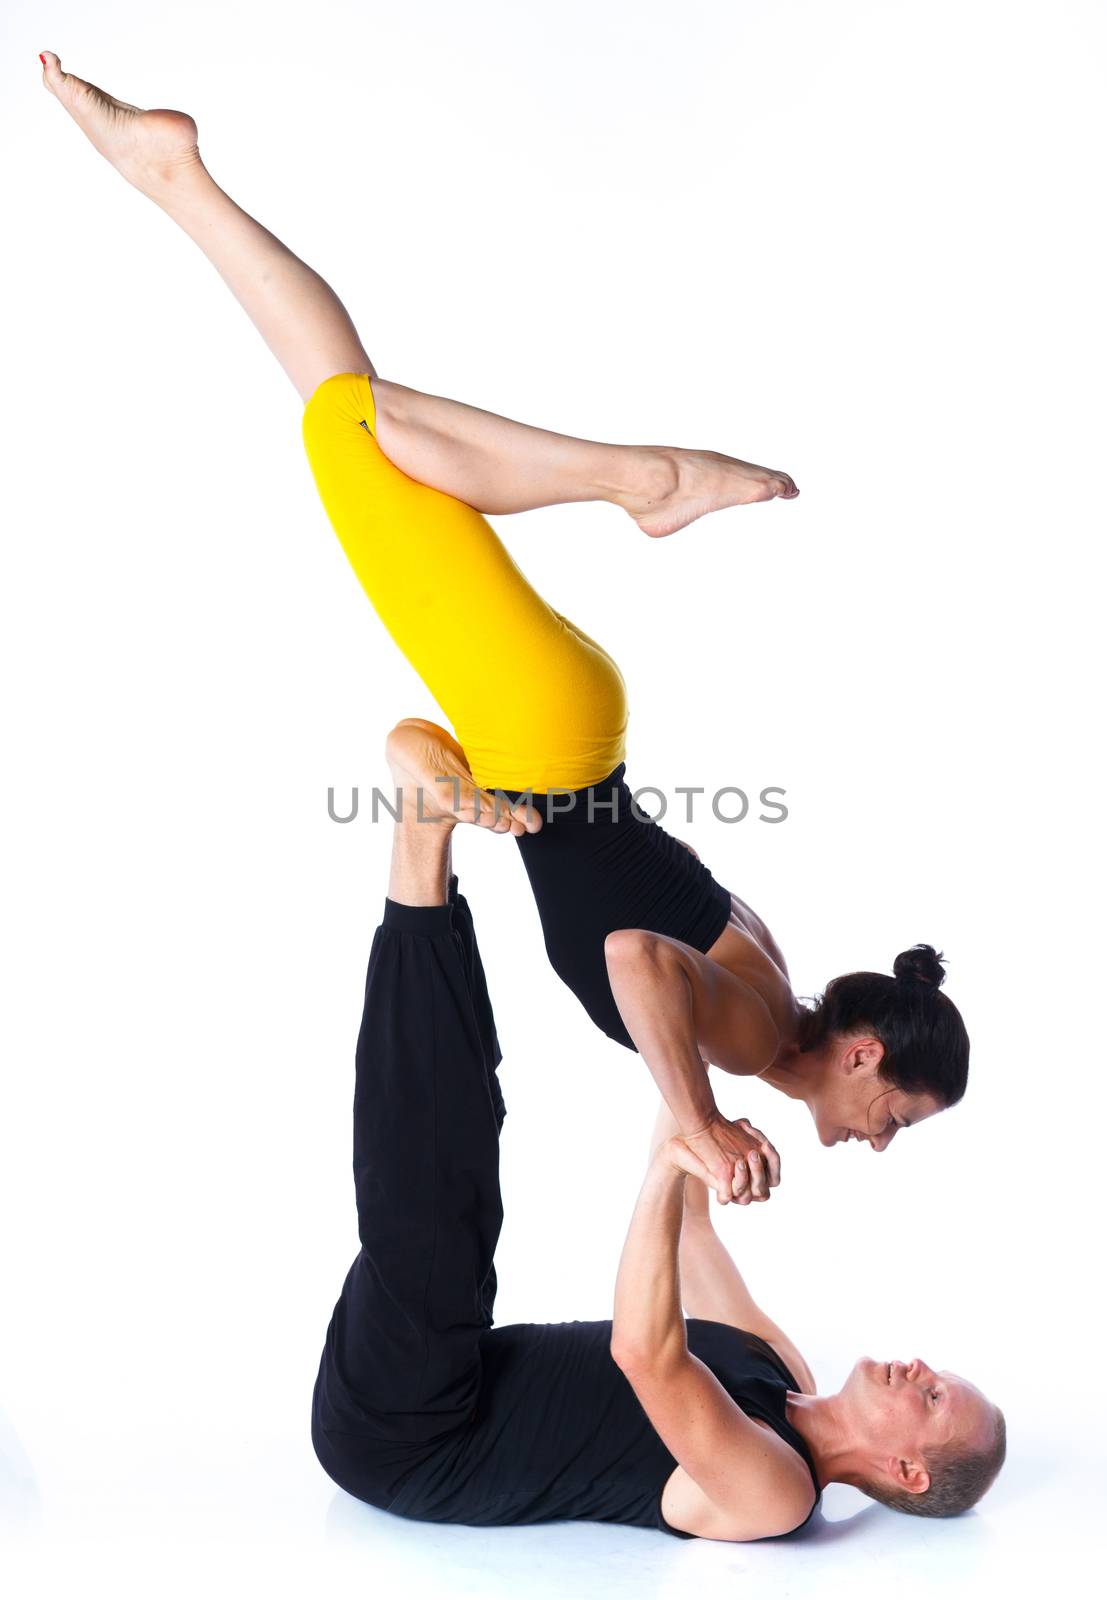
(535, 703)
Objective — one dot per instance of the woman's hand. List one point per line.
(733, 1158)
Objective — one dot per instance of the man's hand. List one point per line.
(739, 1162)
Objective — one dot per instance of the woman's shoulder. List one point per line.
(751, 940)
(748, 1011)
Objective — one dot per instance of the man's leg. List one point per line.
(482, 1006)
(401, 1366)
(478, 989)
(490, 462)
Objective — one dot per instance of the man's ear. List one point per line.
(863, 1057)
(909, 1475)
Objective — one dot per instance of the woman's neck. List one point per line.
(795, 1072)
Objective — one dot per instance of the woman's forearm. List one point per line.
(653, 991)
(696, 1193)
(648, 1324)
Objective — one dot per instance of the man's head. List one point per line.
(920, 1441)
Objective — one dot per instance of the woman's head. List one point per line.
(892, 1050)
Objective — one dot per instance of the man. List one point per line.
(709, 1427)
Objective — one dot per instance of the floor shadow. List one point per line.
(20, 1501)
(540, 1560)
(822, 1530)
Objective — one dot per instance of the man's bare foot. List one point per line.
(430, 771)
(676, 486)
(148, 148)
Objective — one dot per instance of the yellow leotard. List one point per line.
(534, 702)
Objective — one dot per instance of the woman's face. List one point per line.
(852, 1100)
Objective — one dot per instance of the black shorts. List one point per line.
(597, 864)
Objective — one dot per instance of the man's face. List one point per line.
(900, 1412)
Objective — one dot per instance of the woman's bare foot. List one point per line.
(148, 148)
(676, 486)
(430, 771)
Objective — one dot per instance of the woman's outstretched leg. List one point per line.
(490, 462)
(501, 466)
(298, 315)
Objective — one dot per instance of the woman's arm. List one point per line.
(749, 1483)
(671, 999)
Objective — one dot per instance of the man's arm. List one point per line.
(673, 999)
(747, 1482)
(711, 1285)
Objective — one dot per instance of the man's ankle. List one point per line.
(419, 874)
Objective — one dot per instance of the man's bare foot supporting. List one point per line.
(491, 462)
(436, 788)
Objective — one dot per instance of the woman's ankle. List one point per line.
(179, 187)
(641, 478)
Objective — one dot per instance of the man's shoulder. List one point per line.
(779, 1501)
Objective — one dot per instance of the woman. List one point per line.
(664, 959)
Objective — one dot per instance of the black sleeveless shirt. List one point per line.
(599, 863)
(559, 1433)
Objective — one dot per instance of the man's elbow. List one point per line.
(622, 1352)
(641, 1360)
(634, 1355)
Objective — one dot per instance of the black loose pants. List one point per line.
(401, 1368)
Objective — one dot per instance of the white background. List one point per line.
(860, 242)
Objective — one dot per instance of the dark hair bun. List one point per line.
(921, 964)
